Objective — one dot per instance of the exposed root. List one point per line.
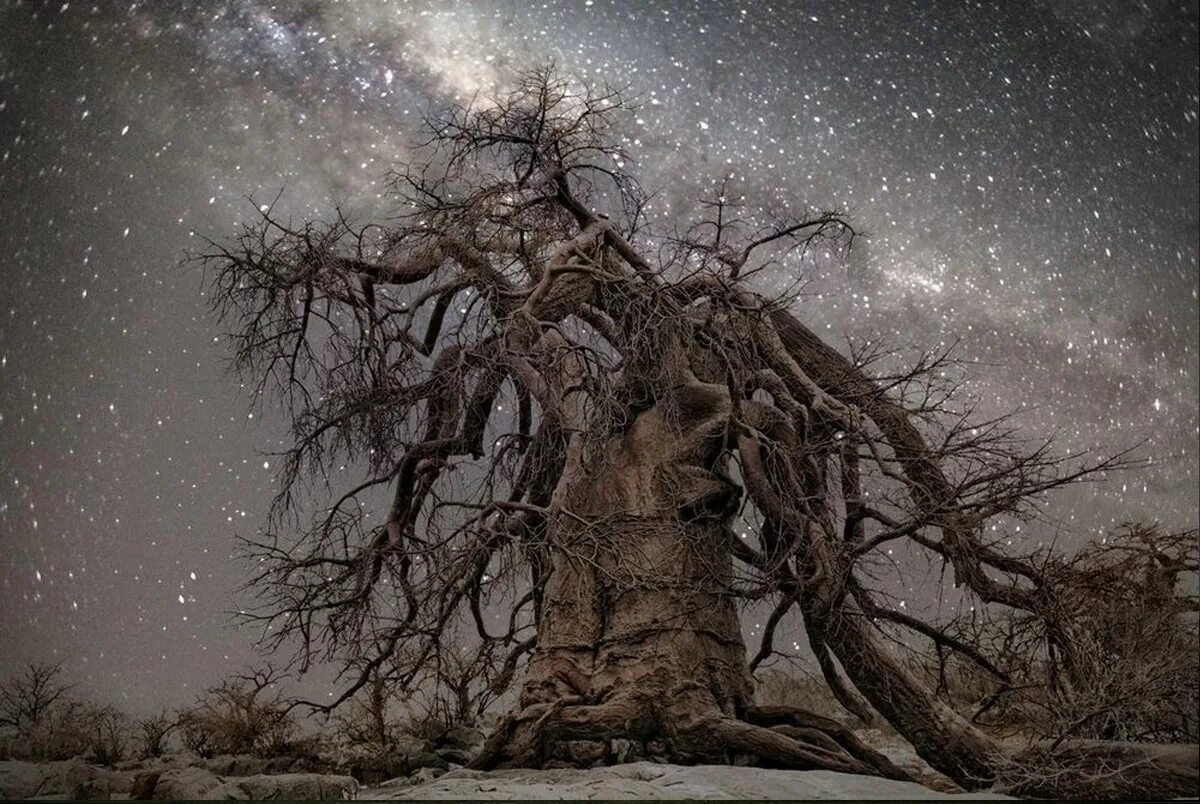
(569, 733)
(780, 717)
(794, 748)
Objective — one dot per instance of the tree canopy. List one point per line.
(557, 395)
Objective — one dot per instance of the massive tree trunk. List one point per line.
(640, 651)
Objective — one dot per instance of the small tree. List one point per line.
(27, 698)
(107, 734)
(62, 734)
(199, 734)
(45, 722)
(153, 732)
(241, 715)
(368, 720)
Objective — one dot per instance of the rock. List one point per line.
(91, 783)
(235, 765)
(89, 791)
(56, 776)
(284, 764)
(427, 760)
(176, 784)
(461, 737)
(426, 775)
(19, 780)
(399, 781)
(181, 759)
(143, 785)
(456, 756)
(372, 770)
(622, 750)
(409, 744)
(70, 778)
(370, 773)
(289, 787)
(645, 780)
(117, 781)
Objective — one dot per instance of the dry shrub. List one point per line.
(1114, 654)
(241, 715)
(367, 721)
(60, 734)
(152, 734)
(107, 731)
(44, 722)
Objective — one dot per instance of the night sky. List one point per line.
(1027, 175)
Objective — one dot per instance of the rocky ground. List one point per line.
(420, 770)
(647, 780)
(640, 780)
(430, 771)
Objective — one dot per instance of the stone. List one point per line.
(143, 785)
(373, 769)
(399, 781)
(427, 760)
(235, 765)
(461, 737)
(288, 787)
(425, 775)
(622, 749)
(283, 764)
(91, 783)
(21, 780)
(656, 748)
(175, 784)
(456, 756)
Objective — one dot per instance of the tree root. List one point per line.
(570, 733)
(789, 717)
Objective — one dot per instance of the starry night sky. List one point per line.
(1027, 175)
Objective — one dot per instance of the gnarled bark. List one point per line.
(640, 650)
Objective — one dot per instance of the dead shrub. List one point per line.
(241, 715)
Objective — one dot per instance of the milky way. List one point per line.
(1027, 176)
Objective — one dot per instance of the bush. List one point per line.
(367, 721)
(106, 733)
(241, 715)
(153, 732)
(1113, 655)
(44, 722)
(59, 734)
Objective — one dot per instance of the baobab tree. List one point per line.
(566, 407)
